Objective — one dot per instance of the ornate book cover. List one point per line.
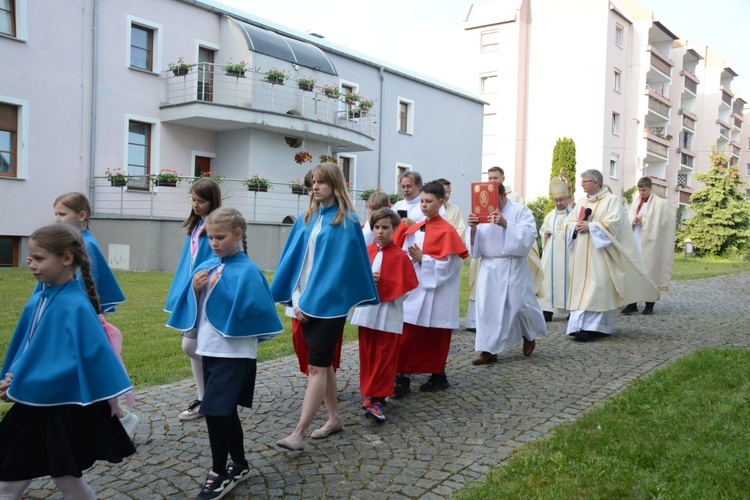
(484, 199)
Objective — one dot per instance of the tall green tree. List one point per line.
(564, 157)
(721, 216)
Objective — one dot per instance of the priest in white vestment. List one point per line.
(606, 268)
(654, 222)
(411, 184)
(555, 254)
(507, 310)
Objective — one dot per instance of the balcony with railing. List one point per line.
(657, 148)
(690, 81)
(725, 129)
(688, 119)
(737, 120)
(726, 96)
(211, 98)
(141, 198)
(659, 104)
(660, 61)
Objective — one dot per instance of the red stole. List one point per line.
(399, 276)
(640, 204)
(441, 238)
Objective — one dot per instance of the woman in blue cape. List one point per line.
(60, 371)
(323, 272)
(205, 197)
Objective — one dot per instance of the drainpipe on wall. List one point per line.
(94, 75)
(380, 127)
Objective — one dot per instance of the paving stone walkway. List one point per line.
(432, 444)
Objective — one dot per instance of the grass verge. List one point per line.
(680, 433)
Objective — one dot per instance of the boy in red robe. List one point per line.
(380, 326)
(431, 310)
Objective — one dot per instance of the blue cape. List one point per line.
(341, 276)
(184, 273)
(69, 359)
(107, 288)
(240, 304)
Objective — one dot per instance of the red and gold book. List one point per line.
(484, 199)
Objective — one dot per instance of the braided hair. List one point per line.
(61, 238)
(231, 218)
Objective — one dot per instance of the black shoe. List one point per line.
(215, 487)
(238, 472)
(402, 387)
(547, 316)
(436, 382)
(582, 336)
(473, 330)
(649, 308)
(629, 309)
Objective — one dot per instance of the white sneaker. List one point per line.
(130, 423)
(192, 411)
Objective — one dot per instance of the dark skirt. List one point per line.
(229, 382)
(59, 440)
(321, 336)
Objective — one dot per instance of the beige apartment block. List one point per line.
(636, 97)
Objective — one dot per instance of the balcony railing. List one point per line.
(686, 160)
(656, 148)
(726, 98)
(160, 202)
(658, 106)
(688, 122)
(691, 85)
(660, 64)
(210, 84)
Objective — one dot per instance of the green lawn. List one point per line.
(679, 433)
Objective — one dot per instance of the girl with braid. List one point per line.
(60, 371)
(229, 303)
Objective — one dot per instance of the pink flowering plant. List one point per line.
(166, 175)
(257, 180)
(211, 175)
(297, 184)
(116, 175)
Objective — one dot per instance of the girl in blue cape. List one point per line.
(230, 305)
(205, 197)
(75, 209)
(323, 272)
(60, 371)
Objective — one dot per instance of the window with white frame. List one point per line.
(8, 17)
(144, 42)
(488, 84)
(616, 82)
(490, 41)
(139, 154)
(405, 116)
(614, 160)
(8, 140)
(13, 19)
(618, 35)
(615, 123)
(747, 169)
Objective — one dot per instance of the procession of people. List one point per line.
(398, 281)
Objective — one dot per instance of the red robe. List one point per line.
(423, 349)
(378, 351)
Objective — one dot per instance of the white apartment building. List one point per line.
(91, 88)
(635, 97)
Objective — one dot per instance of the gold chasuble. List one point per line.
(608, 277)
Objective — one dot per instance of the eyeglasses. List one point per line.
(584, 182)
